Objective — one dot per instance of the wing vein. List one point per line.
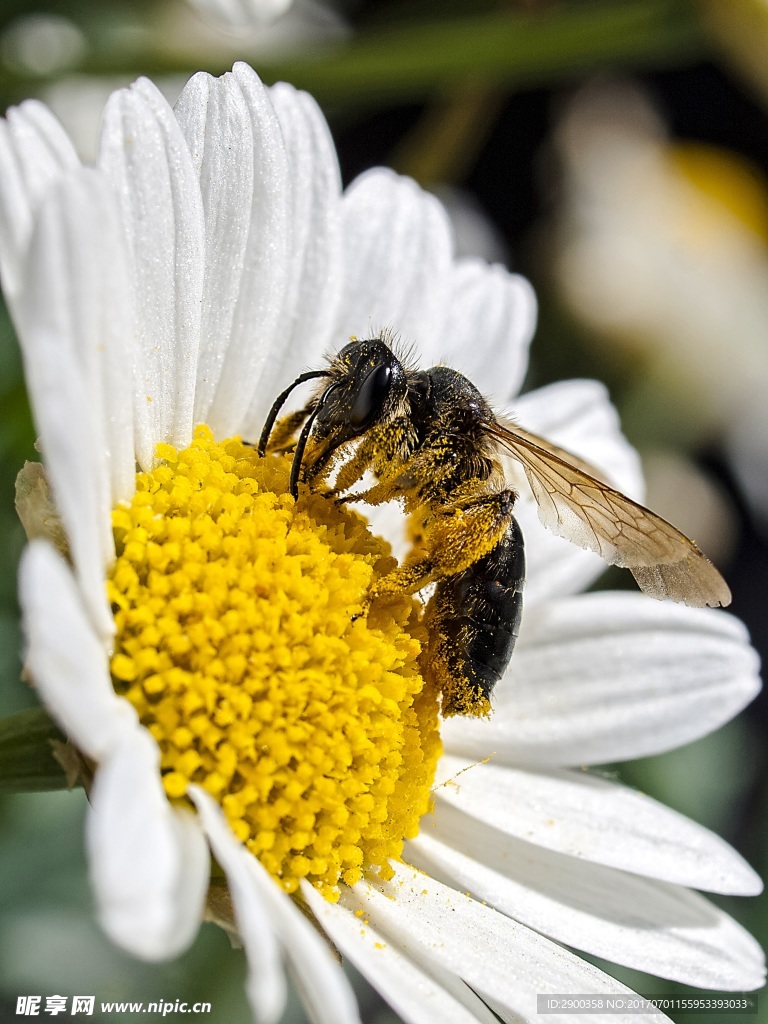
(573, 502)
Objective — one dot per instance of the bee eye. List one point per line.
(370, 397)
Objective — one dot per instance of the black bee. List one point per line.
(433, 442)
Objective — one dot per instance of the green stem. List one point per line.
(27, 763)
(411, 59)
(503, 48)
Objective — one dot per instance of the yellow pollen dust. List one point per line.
(241, 645)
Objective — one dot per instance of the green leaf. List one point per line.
(27, 761)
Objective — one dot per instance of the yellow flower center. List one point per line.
(241, 644)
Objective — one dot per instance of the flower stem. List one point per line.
(506, 48)
(411, 58)
(27, 760)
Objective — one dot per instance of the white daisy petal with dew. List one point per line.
(195, 632)
(146, 863)
(35, 150)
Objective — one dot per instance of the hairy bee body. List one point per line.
(433, 442)
(423, 435)
(474, 620)
(438, 459)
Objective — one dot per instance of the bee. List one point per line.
(433, 442)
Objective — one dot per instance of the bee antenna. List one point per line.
(280, 402)
(301, 444)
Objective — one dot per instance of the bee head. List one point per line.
(364, 385)
(367, 383)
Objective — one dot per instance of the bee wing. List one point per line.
(522, 435)
(574, 503)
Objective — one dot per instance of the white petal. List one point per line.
(265, 914)
(194, 875)
(233, 133)
(651, 926)
(121, 360)
(94, 319)
(611, 676)
(319, 978)
(144, 155)
(577, 415)
(315, 263)
(489, 322)
(497, 957)
(34, 151)
(149, 865)
(266, 981)
(73, 370)
(595, 819)
(419, 992)
(214, 119)
(243, 14)
(65, 657)
(397, 245)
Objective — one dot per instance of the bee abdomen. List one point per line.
(475, 619)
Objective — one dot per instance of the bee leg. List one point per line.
(474, 549)
(409, 577)
(317, 466)
(467, 531)
(352, 470)
(389, 484)
(406, 579)
(380, 492)
(283, 433)
(450, 543)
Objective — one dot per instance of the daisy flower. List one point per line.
(197, 634)
(239, 14)
(662, 250)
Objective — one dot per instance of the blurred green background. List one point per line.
(616, 153)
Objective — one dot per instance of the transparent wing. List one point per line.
(574, 503)
(575, 461)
